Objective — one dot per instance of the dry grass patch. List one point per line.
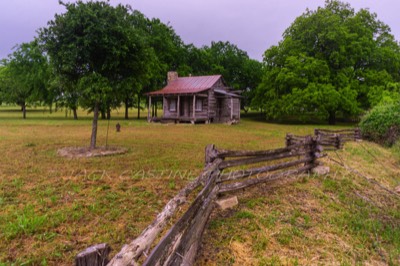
(85, 152)
(52, 207)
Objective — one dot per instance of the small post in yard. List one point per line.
(118, 127)
(93, 256)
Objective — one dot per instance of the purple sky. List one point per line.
(253, 25)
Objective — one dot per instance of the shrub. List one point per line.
(382, 124)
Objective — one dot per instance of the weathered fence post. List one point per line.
(316, 132)
(339, 143)
(317, 152)
(357, 134)
(289, 139)
(310, 146)
(93, 256)
(210, 154)
(318, 147)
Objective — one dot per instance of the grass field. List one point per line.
(51, 207)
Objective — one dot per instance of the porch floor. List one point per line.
(181, 119)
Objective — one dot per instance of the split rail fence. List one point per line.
(180, 244)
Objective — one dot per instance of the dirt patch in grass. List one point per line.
(86, 152)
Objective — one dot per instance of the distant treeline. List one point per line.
(96, 54)
(332, 62)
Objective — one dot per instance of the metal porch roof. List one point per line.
(227, 93)
(188, 85)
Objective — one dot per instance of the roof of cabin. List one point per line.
(188, 85)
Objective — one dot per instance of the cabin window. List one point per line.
(172, 105)
(199, 104)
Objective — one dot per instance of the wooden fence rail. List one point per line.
(352, 134)
(180, 244)
(133, 251)
(329, 139)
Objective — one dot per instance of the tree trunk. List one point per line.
(103, 113)
(127, 108)
(75, 113)
(108, 113)
(332, 118)
(23, 108)
(94, 126)
(138, 106)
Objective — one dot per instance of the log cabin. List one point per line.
(195, 99)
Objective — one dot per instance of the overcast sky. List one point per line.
(253, 25)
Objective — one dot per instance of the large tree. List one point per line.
(166, 53)
(326, 64)
(96, 52)
(224, 58)
(25, 76)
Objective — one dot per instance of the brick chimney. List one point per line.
(172, 76)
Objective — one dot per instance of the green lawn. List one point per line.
(51, 208)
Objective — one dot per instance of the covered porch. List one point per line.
(179, 108)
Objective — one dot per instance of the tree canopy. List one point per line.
(97, 53)
(332, 61)
(224, 58)
(25, 76)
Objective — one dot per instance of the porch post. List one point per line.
(164, 105)
(194, 107)
(240, 108)
(155, 107)
(178, 109)
(152, 107)
(148, 110)
(231, 108)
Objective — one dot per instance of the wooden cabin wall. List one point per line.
(225, 110)
(212, 105)
(187, 103)
(212, 101)
(236, 108)
(167, 112)
(199, 114)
